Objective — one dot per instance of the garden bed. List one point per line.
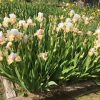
(43, 46)
(65, 92)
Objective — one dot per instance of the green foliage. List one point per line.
(67, 52)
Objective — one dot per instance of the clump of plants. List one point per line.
(38, 52)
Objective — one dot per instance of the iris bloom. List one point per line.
(76, 17)
(1, 56)
(89, 33)
(92, 51)
(76, 30)
(2, 38)
(12, 18)
(44, 56)
(21, 23)
(9, 45)
(6, 21)
(71, 13)
(97, 43)
(69, 27)
(29, 21)
(25, 38)
(39, 34)
(13, 57)
(13, 34)
(61, 25)
(68, 20)
(97, 31)
(40, 17)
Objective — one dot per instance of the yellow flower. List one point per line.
(76, 30)
(39, 34)
(25, 26)
(9, 45)
(12, 18)
(18, 59)
(97, 31)
(11, 0)
(67, 4)
(21, 23)
(76, 17)
(29, 21)
(0, 1)
(1, 56)
(2, 38)
(44, 56)
(68, 20)
(14, 35)
(89, 33)
(25, 38)
(10, 37)
(61, 25)
(80, 32)
(86, 21)
(71, 13)
(40, 17)
(6, 21)
(97, 44)
(91, 18)
(61, 17)
(13, 57)
(5, 24)
(68, 27)
(92, 51)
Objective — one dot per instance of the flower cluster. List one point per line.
(96, 47)
(11, 36)
(40, 17)
(69, 25)
(9, 20)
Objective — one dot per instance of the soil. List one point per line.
(91, 96)
(78, 91)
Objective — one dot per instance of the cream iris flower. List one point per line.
(61, 25)
(21, 23)
(1, 56)
(69, 27)
(12, 18)
(39, 34)
(71, 13)
(40, 17)
(76, 17)
(92, 51)
(2, 38)
(6, 21)
(29, 21)
(68, 20)
(44, 56)
(13, 57)
(97, 31)
(9, 45)
(13, 35)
